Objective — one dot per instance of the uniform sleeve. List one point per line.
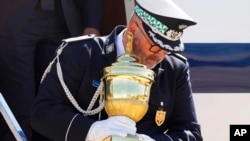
(92, 13)
(183, 124)
(53, 115)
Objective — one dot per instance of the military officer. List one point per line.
(73, 77)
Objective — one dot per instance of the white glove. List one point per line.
(143, 137)
(116, 125)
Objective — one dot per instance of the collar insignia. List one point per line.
(110, 48)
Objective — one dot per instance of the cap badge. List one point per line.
(173, 34)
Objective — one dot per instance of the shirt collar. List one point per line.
(120, 48)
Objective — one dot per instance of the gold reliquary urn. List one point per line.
(127, 90)
(127, 85)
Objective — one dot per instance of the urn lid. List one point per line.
(129, 65)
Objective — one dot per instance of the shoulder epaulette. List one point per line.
(79, 38)
(179, 56)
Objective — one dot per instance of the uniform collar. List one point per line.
(110, 46)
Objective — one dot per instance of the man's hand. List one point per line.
(116, 125)
(144, 137)
(91, 30)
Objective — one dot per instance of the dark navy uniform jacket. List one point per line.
(82, 63)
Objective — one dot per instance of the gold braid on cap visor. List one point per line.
(157, 26)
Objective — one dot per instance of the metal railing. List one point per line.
(11, 120)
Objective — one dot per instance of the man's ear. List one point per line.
(132, 27)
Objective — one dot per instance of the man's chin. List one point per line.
(151, 66)
(151, 63)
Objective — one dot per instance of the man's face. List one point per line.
(149, 53)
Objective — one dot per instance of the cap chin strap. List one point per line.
(99, 91)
